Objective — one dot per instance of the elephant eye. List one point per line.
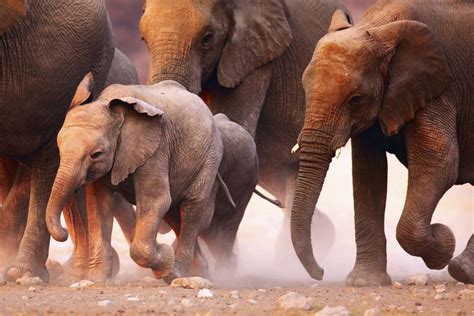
(206, 40)
(96, 154)
(355, 100)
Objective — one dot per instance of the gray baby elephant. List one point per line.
(159, 146)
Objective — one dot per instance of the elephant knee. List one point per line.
(413, 238)
(143, 255)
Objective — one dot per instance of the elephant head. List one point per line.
(190, 41)
(10, 12)
(112, 134)
(359, 76)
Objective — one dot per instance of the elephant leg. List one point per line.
(199, 265)
(103, 259)
(462, 267)
(369, 172)
(125, 216)
(14, 215)
(75, 268)
(34, 246)
(433, 158)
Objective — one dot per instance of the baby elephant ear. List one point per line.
(140, 135)
(340, 21)
(83, 90)
(139, 105)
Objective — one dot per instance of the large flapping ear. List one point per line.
(140, 136)
(10, 12)
(417, 71)
(83, 90)
(340, 21)
(261, 33)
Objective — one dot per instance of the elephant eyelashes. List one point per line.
(355, 100)
(207, 39)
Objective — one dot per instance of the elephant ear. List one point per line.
(140, 135)
(260, 34)
(10, 12)
(340, 21)
(417, 71)
(83, 90)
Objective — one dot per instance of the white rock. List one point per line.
(234, 294)
(262, 290)
(128, 295)
(187, 302)
(373, 312)
(133, 299)
(314, 285)
(440, 288)
(333, 311)
(104, 303)
(397, 285)
(24, 297)
(192, 283)
(205, 293)
(29, 281)
(162, 292)
(31, 289)
(293, 300)
(251, 301)
(418, 279)
(233, 306)
(82, 284)
(439, 296)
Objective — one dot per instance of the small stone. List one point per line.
(2, 283)
(205, 293)
(187, 302)
(234, 294)
(438, 297)
(104, 303)
(333, 311)
(440, 288)
(29, 281)
(460, 284)
(233, 306)
(397, 285)
(262, 290)
(192, 283)
(128, 295)
(373, 312)
(82, 284)
(314, 285)
(162, 292)
(31, 289)
(293, 300)
(418, 279)
(377, 298)
(251, 301)
(133, 299)
(417, 304)
(24, 297)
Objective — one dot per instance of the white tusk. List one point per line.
(338, 152)
(295, 148)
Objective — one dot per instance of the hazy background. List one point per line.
(260, 227)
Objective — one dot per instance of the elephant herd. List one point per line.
(240, 92)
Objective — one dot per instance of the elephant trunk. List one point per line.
(315, 157)
(63, 188)
(172, 60)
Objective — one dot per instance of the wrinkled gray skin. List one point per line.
(398, 82)
(247, 58)
(160, 148)
(36, 87)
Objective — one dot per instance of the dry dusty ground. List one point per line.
(154, 297)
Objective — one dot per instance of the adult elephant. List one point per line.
(246, 58)
(37, 83)
(399, 82)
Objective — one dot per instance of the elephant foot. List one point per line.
(26, 268)
(104, 268)
(8, 251)
(442, 252)
(75, 270)
(461, 268)
(175, 274)
(55, 269)
(360, 277)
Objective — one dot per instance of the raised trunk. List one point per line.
(171, 59)
(64, 185)
(315, 158)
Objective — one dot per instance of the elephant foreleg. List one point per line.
(433, 158)
(369, 174)
(462, 267)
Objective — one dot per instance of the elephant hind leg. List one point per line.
(461, 267)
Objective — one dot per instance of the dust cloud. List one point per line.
(263, 254)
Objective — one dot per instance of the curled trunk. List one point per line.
(63, 189)
(315, 158)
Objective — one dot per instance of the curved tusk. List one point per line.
(338, 152)
(295, 148)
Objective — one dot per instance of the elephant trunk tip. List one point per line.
(56, 230)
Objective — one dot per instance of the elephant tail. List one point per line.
(269, 199)
(226, 190)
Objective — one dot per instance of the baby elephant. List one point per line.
(159, 146)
